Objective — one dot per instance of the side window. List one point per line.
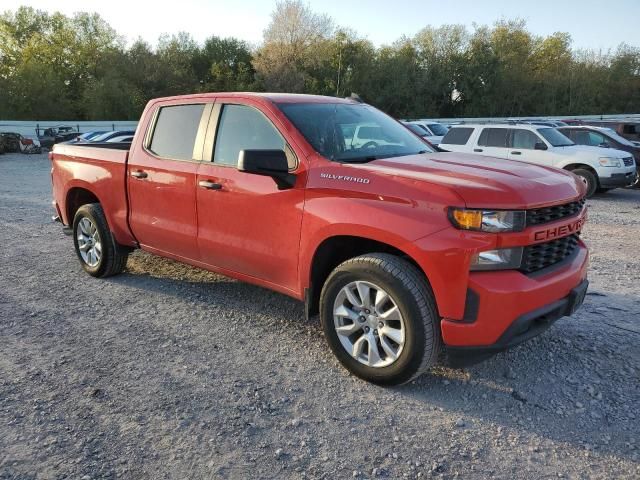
(494, 137)
(175, 130)
(457, 136)
(581, 137)
(524, 139)
(596, 139)
(244, 128)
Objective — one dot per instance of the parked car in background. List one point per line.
(627, 129)
(603, 137)
(434, 130)
(52, 135)
(16, 143)
(106, 136)
(121, 139)
(11, 142)
(600, 170)
(86, 137)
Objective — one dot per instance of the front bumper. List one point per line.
(618, 180)
(505, 308)
(524, 328)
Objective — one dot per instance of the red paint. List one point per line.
(252, 231)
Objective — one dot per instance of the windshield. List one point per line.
(352, 132)
(437, 129)
(554, 137)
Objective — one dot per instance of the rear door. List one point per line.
(493, 142)
(245, 224)
(162, 180)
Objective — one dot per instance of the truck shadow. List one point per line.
(563, 386)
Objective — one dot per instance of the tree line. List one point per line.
(77, 67)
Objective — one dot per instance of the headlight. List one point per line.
(500, 259)
(492, 221)
(609, 162)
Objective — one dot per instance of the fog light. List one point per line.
(499, 259)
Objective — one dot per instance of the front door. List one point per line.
(523, 148)
(245, 224)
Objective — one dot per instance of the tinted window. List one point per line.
(244, 128)
(457, 136)
(581, 137)
(596, 139)
(175, 131)
(494, 137)
(524, 139)
(554, 137)
(376, 135)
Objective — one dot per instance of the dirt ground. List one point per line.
(168, 371)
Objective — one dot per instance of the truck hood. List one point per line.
(485, 182)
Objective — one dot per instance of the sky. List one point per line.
(593, 24)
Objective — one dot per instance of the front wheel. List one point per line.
(589, 178)
(97, 250)
(379, 318)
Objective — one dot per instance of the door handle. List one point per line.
(139, 174)
(516, 153)
(209, 185)
(477, 149)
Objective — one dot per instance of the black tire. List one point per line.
(114, 257)
(589, 178)
(411, 293)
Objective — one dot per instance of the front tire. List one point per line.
(98, 252)
(379, 318)
(589, 178)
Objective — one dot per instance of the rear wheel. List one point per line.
(589, 178)
(379, 318)
(97, 250)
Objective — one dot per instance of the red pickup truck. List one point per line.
(404, 252)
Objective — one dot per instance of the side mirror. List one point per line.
(605, 145)
(540, 146)
(268, 163)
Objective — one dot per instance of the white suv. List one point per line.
(600, 170)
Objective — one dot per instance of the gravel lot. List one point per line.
(172, 372)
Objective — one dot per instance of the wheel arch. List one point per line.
(334, 250)
(573, 166)
(75, 197)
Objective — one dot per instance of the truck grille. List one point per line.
(539, 216)
(628, 161)
(542, 255)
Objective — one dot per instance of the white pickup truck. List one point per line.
(600, 170)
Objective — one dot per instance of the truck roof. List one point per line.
(273, 97)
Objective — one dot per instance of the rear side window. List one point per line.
(244, 128)
(174, 134)
(494, 137)
(457, 136)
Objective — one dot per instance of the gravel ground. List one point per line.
(168, 371)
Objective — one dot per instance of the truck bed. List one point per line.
(97, 168)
